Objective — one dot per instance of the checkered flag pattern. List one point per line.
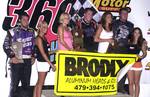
(79, 7)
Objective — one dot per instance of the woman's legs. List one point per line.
(39, 84)
(137, 75)
(131, 82)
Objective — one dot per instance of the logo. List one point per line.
(89, 74)
(110, 5)
(38, 10)
(48, 10)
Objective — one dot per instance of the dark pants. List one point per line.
(89, 44)
(20, 72)
(121, 83)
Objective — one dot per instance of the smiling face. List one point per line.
(136, 33)
(124, 15)
(109, 18)
(43, 27)
(66, 19)
(88, 15)
(24, 21)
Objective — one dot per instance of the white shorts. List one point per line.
(136, 69)
(42, 66)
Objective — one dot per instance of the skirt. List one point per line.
(137, 66)
(42, 66)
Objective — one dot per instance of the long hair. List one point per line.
(103, 20)
(62, 17)
(41, 24)
(140, 39)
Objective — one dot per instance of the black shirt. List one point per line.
(122, 32)
(133, 49)
(88, 32)
(38, 53)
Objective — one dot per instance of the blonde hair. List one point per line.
(41, 24)
(62, 17)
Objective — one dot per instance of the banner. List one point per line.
(89, 74)
(110, 5)
(50, 11)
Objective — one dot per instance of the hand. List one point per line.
(53, 68)
(111, 41)
(14, 60)
(32, 60)
(139, 57)
(71, 49)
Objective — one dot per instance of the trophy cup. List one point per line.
(17, 49)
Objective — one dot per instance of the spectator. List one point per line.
(88, 26)
(65, 39)
(104, 34)
(122, 30)
(43, 62)
(18, 45)
(136, 44)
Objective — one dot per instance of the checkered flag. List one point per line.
(78, 9)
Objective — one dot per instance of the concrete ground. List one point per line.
(50, 93)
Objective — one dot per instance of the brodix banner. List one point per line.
(92, 74)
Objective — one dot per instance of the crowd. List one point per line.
(108, 36)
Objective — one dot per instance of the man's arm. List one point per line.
(131, 29)
(114, 28)
(7, 46)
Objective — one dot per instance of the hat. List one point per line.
(125, 9)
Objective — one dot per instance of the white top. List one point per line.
(103, 46)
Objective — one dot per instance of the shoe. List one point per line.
(122, 91)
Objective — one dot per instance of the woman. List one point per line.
(136, 44)
(43, 62)
(65, 39)
(104, 34)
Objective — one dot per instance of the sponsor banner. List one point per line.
(110, 5)
(89, 74)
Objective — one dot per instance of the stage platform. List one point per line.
(50, 93)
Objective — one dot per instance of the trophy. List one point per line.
(17, 49)
(77, 34)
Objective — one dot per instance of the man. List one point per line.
(88, 26)
(18, 46)
(122, 29)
